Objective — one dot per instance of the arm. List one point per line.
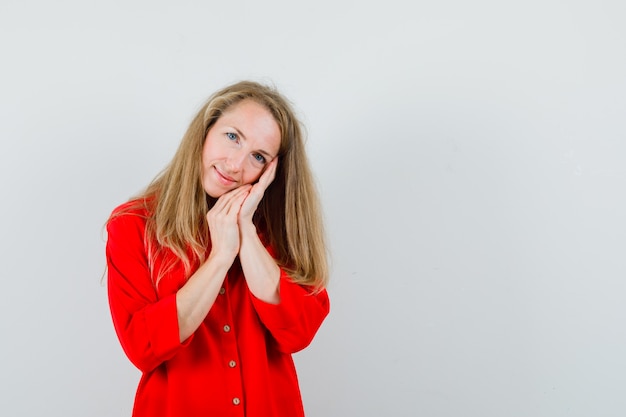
(291, 313)
(296, 319)
(196, 297)
(261, 271)
(152, 329)
(146, 326)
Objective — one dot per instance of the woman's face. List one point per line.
(238, 147)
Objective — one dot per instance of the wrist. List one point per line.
(247, 229)
(221, 259)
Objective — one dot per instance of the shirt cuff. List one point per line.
(162, 325)
(286, 313)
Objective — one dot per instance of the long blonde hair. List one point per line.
(289, 215)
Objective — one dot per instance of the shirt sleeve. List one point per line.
(296, 319)
(146, 326)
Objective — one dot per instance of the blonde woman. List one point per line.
(217, 271)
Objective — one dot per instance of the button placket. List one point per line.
(233, 379)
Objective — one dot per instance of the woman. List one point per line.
(217, 271)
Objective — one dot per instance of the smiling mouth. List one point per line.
(225, 179)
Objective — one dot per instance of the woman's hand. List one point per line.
(195, 298)
(259, 268)
(223, 226)
(256, 193)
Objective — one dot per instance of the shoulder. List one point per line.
(136, 206)
(132, 214)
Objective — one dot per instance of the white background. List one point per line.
(470, 156)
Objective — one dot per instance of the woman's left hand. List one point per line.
(256, 193)
(259, 268)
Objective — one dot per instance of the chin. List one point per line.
(216, 195)
(213, 193)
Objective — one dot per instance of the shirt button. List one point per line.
(222, 291)
(232, 364)
(227, 328)
(236, 401)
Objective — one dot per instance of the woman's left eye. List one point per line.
(259, 158)
(231, 136)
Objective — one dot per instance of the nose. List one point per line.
(235, 160)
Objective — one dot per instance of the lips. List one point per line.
(223, 178)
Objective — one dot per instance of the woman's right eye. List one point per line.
(231, 136)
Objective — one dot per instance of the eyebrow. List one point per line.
(266, 153)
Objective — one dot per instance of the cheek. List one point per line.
(252, 175)
(203, 155)
(210, 148)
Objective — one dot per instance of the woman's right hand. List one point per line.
(222, 219)
(195, 298)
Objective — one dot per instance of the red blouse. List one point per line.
(237, 363)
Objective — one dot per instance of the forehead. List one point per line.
(249, 113)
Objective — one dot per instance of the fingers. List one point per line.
(227, 207)
(229, 200)
(237, 201)
(269, 174)
(243, 201)
(233, 203)
(223, 222)
(255, 195)
(265, 180)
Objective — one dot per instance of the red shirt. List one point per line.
(237, 363)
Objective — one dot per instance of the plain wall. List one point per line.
(470, 157)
